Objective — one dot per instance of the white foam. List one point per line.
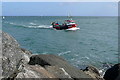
(63, 53)
(32, 23)
(10, 23)
(3, 17)
(39, 26)
(85, 57)
(102, 72)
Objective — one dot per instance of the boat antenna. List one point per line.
(69, 16)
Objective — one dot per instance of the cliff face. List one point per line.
(21, 63)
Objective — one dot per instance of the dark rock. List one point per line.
(39, 61)
(113, 73)
(53, 60)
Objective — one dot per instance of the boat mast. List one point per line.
(69, 16)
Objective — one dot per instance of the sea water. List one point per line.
(96, 42)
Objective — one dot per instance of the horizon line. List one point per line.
(60, 16)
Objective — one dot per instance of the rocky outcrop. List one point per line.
(21, 63)
(12, 55)
(113, 73)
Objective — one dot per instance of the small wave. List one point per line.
(14, 24)
(76, 55)
(10, 23)
(85, 57)
(32, 23)
(63, 53)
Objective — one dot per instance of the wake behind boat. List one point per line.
(67, 25)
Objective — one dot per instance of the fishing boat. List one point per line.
(66, 25)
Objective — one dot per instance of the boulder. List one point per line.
(53, 60)
(113, 73)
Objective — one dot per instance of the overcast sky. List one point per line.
(60, 8)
